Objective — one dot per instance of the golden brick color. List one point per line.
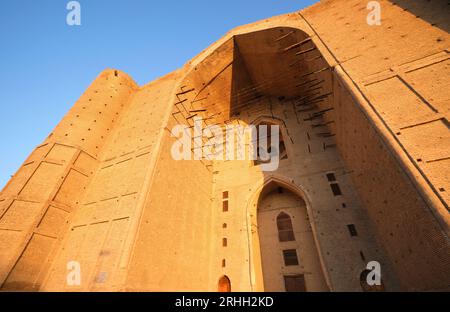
(104, 190)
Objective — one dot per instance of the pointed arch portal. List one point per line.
(224, 284)
(288, 252)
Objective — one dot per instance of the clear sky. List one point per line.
(46, 65)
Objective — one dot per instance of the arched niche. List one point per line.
(224, 284)
(267, 257)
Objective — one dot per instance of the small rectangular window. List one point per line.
(290, 257)
(225, 205)
(224, 242)
(352, 230)
(336, 189)
(331, 177)
(225, 195)
(295, 283)
(285, 231)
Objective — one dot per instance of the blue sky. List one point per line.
(46, 65)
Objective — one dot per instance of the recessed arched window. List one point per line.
(224, 284)
(268, 136)
(284, 225)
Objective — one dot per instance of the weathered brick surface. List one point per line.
(104, 190)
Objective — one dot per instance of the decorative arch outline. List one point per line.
(255, 265)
